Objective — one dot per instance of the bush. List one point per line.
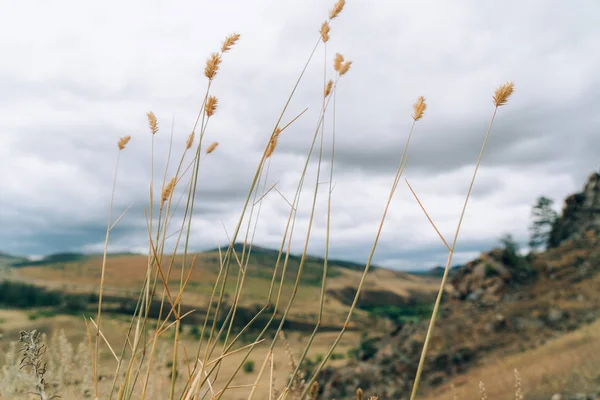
(249, 366)
(195, 332)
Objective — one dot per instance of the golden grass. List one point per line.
(337, 9)
(168, 190)
(211, 364)
(212, 65)
(212, 147)
(67, 330)
(229, 42)
(568, 364)
(123, 142)
(503, 93)
(190, 141)
(325, 31)
(419, 108)
(211, 106)
(152, 122)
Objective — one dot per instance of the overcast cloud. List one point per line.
(75, 76)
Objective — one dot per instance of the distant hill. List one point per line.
(50, 259)
(8, 259)
(125, 273)
(272, 253)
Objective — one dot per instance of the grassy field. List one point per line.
(70, 382)
(568, 364)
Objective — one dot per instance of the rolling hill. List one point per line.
(72, 273)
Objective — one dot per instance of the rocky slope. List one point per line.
(496, 305)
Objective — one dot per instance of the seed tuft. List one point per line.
(328, 88)
(229, 42)
(359, 394)
(337, 9)
(212, 65)
(419, 108)
(211, 105)
(212, 147)
(503, 93)
(152, 122)
(338, 61)
(123, 142)
(168, 190)
(345, 67)
(190, 141)
(325, 32)
(273, 143)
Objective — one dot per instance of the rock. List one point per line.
(475, 295)
(555, 315)
(581, 213)
(437, 379)
(557, 396)
(526, 324)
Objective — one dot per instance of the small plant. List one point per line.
(195, 332)
(249, 366)
(33, 350)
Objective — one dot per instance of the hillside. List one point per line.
(500, 307)
(75, 273)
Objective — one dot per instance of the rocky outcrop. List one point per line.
(482, 279)
(581, 213)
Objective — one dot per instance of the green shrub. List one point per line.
(249, 366)
(195, 332)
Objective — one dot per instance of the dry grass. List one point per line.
(153, 357)
(69, 372)
(568, 364)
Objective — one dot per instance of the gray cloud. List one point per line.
(72, 85)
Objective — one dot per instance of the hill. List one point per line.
(79, 274)
(500, 306)
(8, 259)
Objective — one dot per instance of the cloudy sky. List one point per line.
(75, 76)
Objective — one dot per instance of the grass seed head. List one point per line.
(190, 141)
(168, 190)
(229, 42)
(212, 147)
(123, 142)
(314, 390)
(518, 388)
(212, 65)
(211, 105)
(337, 9)
(503, 93)
(419, 107)
(482, 391)
(325, 31)
(328, 88)
(345, 67)
(359, 394)
(337, 62)
(152, 122)
(273, 143)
